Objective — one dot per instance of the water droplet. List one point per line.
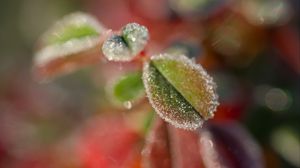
(127, 104)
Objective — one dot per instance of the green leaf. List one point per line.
(72, 32)
(69, 44)
(129, 87)
(190, 80)
(180, 91)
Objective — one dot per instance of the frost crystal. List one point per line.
(136, 37)
(115, 49)
(180, 91)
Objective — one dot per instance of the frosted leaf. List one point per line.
(74, 33)
(191, 81)
(126, 46)
(69, 43)
(115, 49)
(167, 102)
(180, 91)
(136, 37)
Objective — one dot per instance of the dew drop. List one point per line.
(127, 105)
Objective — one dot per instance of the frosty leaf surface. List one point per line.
(180, 91)
(168, 102)
(191, 81)
(72, 32)
(70, 43)
(128, 44)
(136, 37)
(115, 49)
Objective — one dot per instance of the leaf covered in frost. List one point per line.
(116, 49)
(179, 90)
(69, 43)
(136, 37)
(128, 44)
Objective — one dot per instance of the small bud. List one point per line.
(126, 46)
(136, 37)
(115, 49)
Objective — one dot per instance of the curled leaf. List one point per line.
(180, 91)
(68, 44)
(126, 46)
